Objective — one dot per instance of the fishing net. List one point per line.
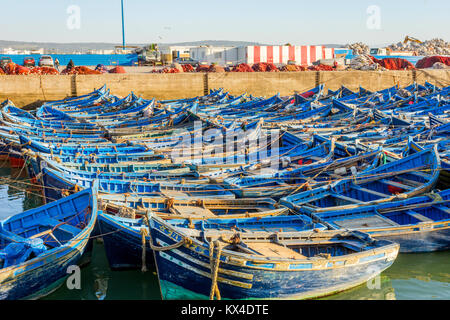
(44, 70)
(264, 67)
(10, 68)
(394, 63)
(428, 62)
(202, 68)
(215, 68)
(292, 67)
(243, 67)
(188, 68)
(80, 70)
(321, 67)
(118, 69)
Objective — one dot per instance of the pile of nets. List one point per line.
(202, 68)
(264, 67)
(44, 70)
(15, 69)
(394, 63)
(101, 68)
(292, 67)
(321, 67)
(188, 68)
(215, 68)
(170, 70)
(429, 62)
(118, 69)
(82, 70)
(12, 68)
(243, 67)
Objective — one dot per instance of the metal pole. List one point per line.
(123, 29)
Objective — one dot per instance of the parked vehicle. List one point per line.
(29, 62)
(46, 61)
(190, 61)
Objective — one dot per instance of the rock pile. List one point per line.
(358, 48)
(427, 48)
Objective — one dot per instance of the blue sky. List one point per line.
(275, 21)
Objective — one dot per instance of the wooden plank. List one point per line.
(410, 182)
(367, 221)
(418, 216)
(340, 196)
(421, 174)
(174, 194)
(194, 211)
(443, 208)
(396, 184)
(371, 192)
(271, 249)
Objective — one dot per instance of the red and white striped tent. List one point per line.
(302, 55)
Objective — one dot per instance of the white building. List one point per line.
(301, 55)
(218, 55)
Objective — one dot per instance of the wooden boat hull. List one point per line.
(418, 240)
(38, 276)
(123, 245)
(38, 281)
(189, 267)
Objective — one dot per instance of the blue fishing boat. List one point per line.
(57, 184)
(264, 265)
(418, 224)
(38, 246)
(401, 179)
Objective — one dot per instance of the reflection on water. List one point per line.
(412, 276)
(98, 281)
(16, 192)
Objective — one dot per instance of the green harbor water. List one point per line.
(412, 276)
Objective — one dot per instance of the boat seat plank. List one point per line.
(340, 196)
(396, 184)
(12, 237)
(409, 182)
(382, 195)
(174, 194)
(192, 211)
(64, 227)
(421, 174)
(418, 216)
(443, 208)
(271, 249)
(364, 221)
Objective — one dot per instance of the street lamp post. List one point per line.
(123, 29)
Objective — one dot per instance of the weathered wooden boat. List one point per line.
(38, 245)
(254, 265)
(122, 225)
(404, 178)
(86, 149)
(310, 174)
(57, 185)
(418, 224)
(124, 247)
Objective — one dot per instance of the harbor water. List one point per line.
(412, 276)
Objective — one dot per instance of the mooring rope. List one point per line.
(214, 266)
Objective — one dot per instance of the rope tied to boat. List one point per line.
(170, 202)
(144, 233)
(214, 266)
(435, 196)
